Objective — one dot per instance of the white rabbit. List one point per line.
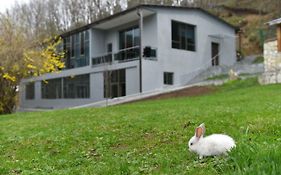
(212, 145)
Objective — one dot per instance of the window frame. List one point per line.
(115, 78)
(82, 43)
(183, 27)
(72, 46)
(77, 87)
(166, 78)
(29, 96)
(135, 42)
(54, 85)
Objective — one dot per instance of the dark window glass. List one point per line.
(67, 51)
(109, 47)
(51, 89)
(183, 36)
(115, 83)
(72, 46)
(77, 50)
(136, 36)
(129, 38)
(82, 43)
(77, 87)
(169, 78)
(29, 91)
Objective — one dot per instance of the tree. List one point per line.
(22, 58)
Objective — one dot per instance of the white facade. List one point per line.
(157, 34)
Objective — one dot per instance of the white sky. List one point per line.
(6, 4)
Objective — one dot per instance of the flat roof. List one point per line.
(120, 16)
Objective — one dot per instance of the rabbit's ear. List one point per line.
(203, 128)
(200, 131)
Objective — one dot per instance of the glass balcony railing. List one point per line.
(124, 55)
(102, 59)
(127, 54)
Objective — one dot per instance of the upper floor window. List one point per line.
(72, 46)
(129, 38)
(77, 50)
(183, 36)
(82, 43)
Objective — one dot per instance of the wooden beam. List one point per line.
(279, 38)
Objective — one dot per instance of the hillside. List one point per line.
(148, 137)
(250, 16)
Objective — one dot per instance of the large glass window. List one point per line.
(129, 38)
(128, 41)
(183, 36)
(72, 48)
(82, 42)
(115, 83)
(51, 89)
(77, 50)
(68, 87)
(29, 91)
(66, 45)
(77, 87)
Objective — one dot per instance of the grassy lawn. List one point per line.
(148, 137)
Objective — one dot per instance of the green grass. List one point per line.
(148, 137)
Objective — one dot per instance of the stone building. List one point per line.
(272, 56)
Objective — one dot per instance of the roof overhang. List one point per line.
(274, 22)
(125, 18)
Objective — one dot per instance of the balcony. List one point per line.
(123, 55)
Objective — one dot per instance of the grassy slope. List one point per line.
(148, 137)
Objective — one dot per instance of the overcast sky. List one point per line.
(4, 4)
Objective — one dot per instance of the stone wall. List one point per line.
(272, 64)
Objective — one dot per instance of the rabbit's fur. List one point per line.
(212, 145)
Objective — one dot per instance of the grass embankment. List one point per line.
(148, 137)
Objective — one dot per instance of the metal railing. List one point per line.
(123, 55)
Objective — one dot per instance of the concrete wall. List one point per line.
(186, 64)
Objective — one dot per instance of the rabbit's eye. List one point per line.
(191, 143)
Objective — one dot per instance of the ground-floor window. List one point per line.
(29, 91)
(68, 87)
(51, 89)
(169, 78)
(114, 83)
(77, 87)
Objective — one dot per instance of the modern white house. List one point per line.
(142, 49)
